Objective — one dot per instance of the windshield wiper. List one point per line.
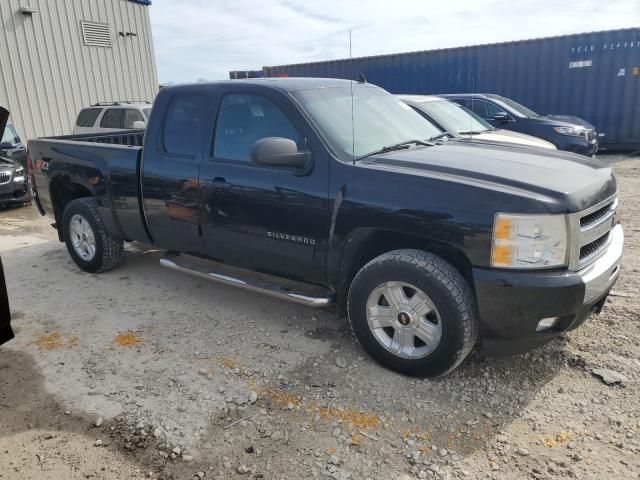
(398, 146)
(441, 135)
(472, 132)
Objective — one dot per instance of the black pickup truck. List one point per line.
(325, 191)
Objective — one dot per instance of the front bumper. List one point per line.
(11, 193)
(578, 145)
(511, 304)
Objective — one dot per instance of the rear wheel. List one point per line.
(90, 245)
(413, 312)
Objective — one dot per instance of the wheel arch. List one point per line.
(62, 191)
(365, 244)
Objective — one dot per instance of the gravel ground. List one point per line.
(147, 373)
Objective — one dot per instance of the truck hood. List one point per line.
(569, 182)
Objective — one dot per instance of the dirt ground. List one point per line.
(144, 372)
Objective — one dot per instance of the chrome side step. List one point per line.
(292, 291)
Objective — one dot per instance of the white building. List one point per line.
(58, 56)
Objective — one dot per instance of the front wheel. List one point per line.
(413, 312)
(91, 246)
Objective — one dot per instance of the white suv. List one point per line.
(112, 117)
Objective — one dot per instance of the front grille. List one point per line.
(594, 247)
(591, 135)
(590, 233)
(4, 177)
(593, 218)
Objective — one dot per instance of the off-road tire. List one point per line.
(109, 247)
(448, 290)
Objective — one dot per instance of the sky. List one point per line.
(205, 39)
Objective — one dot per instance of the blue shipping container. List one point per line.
(235, 74)
(595, 76)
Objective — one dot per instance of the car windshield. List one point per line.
(147, 112)
(454, 117)
(379, 119)
(9, 135)
(517, 108)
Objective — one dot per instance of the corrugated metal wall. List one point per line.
(47, 73)
(595, 76)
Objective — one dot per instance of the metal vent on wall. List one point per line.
(96, 34)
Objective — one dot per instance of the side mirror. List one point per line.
(139, 125)
(6, 146)
(501, 117)
(278, 152)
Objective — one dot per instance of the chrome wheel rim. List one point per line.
(404, 320)
(82, 238)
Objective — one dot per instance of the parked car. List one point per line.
(453, 118)
(424, 244)
(11, 145)
(14, 181)
(566, 132)
(112, 117)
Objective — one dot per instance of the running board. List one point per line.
(297, 292)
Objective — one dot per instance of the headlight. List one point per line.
(529, 241)
(18, 175)
(573, 131)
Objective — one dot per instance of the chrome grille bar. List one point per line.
(589, 232)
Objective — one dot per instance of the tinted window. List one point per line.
(112, 118)
(478, 107)
(517, 107)
(492, 110)
(244, 119)
(131, 116)
(183, 125)
(87, 117)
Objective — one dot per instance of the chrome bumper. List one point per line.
(600, 276)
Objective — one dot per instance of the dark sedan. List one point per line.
(14, 181)
(566, 132)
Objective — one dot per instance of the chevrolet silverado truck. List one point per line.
(326, 191)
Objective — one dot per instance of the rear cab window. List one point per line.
(183, 127)
(87, 117)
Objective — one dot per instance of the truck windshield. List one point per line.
(454, 118)
(9, 135)
(379, 119)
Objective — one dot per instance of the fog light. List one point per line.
(547, 323)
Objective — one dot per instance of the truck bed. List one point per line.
(107, 165)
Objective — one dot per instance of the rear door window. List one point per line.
(131, 116)
(87, 117)
(183, 125)
(112, 118)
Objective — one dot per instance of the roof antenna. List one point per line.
(353, 127)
